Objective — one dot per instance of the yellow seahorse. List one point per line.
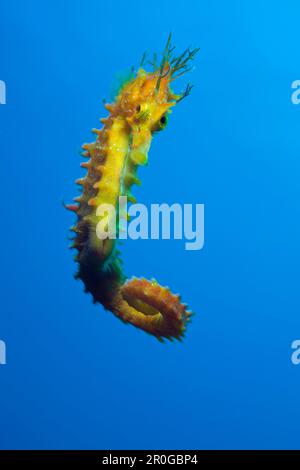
(140, 109)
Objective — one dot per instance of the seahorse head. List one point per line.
(145, 101)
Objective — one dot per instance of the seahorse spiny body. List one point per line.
(140, 109)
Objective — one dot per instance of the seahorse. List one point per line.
(140, 109)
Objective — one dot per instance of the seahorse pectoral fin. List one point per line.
(141, 141)
(151, 307)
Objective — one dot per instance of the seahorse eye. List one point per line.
(163, 121)
(142, 112)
